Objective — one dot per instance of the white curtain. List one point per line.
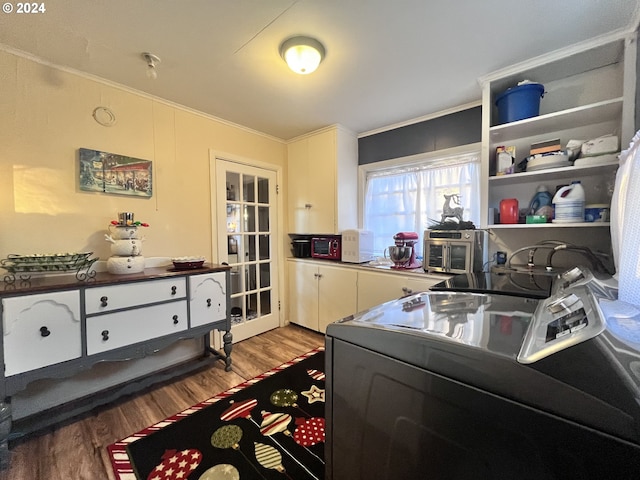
(411, 198)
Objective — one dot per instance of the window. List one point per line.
(410, 196)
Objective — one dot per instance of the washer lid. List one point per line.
(481, 322)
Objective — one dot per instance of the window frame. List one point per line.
(436, 156)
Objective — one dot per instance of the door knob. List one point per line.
(103, 301)
(105, 335)
(44, 331)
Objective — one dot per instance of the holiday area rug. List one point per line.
(270, 427)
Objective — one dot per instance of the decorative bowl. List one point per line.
(187, 263)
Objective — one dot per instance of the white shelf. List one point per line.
(594, 113)
(552, 174)
(549, 225)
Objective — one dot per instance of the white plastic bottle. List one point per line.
(569, 203)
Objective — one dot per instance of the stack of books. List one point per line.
(548, 146)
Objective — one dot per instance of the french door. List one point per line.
(246, 229)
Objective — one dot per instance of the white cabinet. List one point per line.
(40, 330)
(207, 298)
(322, 181)
(375, 288)
(588, 93)
(320, 294)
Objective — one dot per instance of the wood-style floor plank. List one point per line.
(77, 450)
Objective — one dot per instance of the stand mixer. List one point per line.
(403, 254)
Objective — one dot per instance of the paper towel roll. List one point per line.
(625, 227)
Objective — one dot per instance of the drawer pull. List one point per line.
(175, 319)
(174, 289)
(103, 301)
(208, 302)
(105, 335)
(44, 332)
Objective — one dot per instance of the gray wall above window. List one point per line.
(452, 130)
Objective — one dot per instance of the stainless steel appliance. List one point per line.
(328, 247)
(453, 251)
(403, 253)
(465, 386)
(357, 246)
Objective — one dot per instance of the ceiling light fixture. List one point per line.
(151, 60)
(302, 54)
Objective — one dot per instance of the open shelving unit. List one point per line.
(589, 92)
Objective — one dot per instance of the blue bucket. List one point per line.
(519, 102)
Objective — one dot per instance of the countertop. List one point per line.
(40, 283)
(415, 272)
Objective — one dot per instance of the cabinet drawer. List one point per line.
(207, 298)
(114, 330)
(40, 330)
(106, 299)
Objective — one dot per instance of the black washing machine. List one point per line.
(458, 386)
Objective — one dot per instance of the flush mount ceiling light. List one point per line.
(151, 60)
(302, 54)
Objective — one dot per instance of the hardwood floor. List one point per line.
(77, 450)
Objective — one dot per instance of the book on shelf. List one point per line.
(548, 146)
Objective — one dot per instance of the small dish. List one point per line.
(187, 263)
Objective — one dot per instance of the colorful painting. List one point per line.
(117, 174)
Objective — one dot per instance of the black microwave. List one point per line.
(328, 247)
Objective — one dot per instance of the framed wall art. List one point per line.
(115, 174)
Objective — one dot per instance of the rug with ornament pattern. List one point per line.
(270, 427)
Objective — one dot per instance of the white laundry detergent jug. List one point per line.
(569, 204)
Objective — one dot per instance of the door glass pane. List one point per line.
(252, 281)
(265, 275)
(263, 219)
(252, 306)
(264, 247)
(233, 218)
(236, 279)
(263, 190)
(233, 185)
(249, 218)
(248, 188)
(265, 302)
(250, 248)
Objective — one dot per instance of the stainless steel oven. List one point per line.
(453, 251)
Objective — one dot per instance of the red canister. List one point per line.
(509, 211)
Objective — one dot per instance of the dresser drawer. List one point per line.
(115, 297)
(115, 330)
(40, 330)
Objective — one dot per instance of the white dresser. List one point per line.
(57, 327)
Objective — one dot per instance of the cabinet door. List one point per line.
(107, 299)
(114, 330)
(40, 330)
(207, 298)
(375, 288)
(312, 183)
(297, 191)
(420, 284)
(322, 184)
(303, 294)
(337, 294)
